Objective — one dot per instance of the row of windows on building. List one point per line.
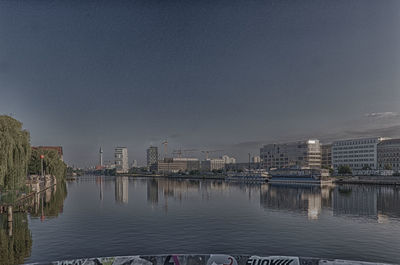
(355, 142)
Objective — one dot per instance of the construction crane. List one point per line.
(179, 152)
(207, 152)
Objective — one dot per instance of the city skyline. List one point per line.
(228, 76)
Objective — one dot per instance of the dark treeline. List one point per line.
(17, 159)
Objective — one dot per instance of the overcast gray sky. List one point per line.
(225, 75)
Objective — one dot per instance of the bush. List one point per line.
(344, 170)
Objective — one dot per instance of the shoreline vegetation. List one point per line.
(18, 160)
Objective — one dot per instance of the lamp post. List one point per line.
(41, 164)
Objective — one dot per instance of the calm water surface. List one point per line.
(106, 216)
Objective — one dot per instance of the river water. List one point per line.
(109, 216)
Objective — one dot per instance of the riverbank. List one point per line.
(369, 180)
(364, 180)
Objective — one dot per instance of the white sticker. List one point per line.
(273, 260)
(218, 259)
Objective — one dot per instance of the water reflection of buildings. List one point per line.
(294, 198)
(152, 191)
(100, 182)
(357, 201)
(360, 201)
(121, 189)
(183, 189)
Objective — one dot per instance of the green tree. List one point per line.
(344, 170)
(52, 163)
(388, 167)
(15, 152)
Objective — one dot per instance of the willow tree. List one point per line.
(15, 152)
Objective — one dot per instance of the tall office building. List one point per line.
(152, 157)
(356, 153)
(302, 154)
(121, 159)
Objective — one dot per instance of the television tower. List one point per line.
(101, 157)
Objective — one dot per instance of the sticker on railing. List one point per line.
(273, 260)
(221, 260)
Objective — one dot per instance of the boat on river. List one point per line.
(253, 175)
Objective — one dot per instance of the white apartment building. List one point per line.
(228, 160)
(356, 153)
(121, 159)
(256, 159)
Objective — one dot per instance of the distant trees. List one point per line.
(388, 167)
(366, 167)
(344, 169)
(15, 152)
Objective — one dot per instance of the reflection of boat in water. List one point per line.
(252, 175)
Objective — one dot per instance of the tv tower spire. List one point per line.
(101, 156)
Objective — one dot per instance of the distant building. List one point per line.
(389, 154)
(212, 164)
(121, 159)
(256, 159)
(302, 154)
(134, 163)
(175, 165)
(152, 158)
(59, 150)
(356, 153)
(326, 155)
(228, 160)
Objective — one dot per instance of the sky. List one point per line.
(207, 75)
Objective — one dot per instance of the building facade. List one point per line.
(152, 157)
(389, 154)
(121, 159)
(302, 154)
(176, 165)
(256, 159)
(326, 155)
(212, 164)
(243, 166)
(356, 153)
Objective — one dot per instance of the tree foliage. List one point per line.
(52, 164)
(15, 152)
(344, 170)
